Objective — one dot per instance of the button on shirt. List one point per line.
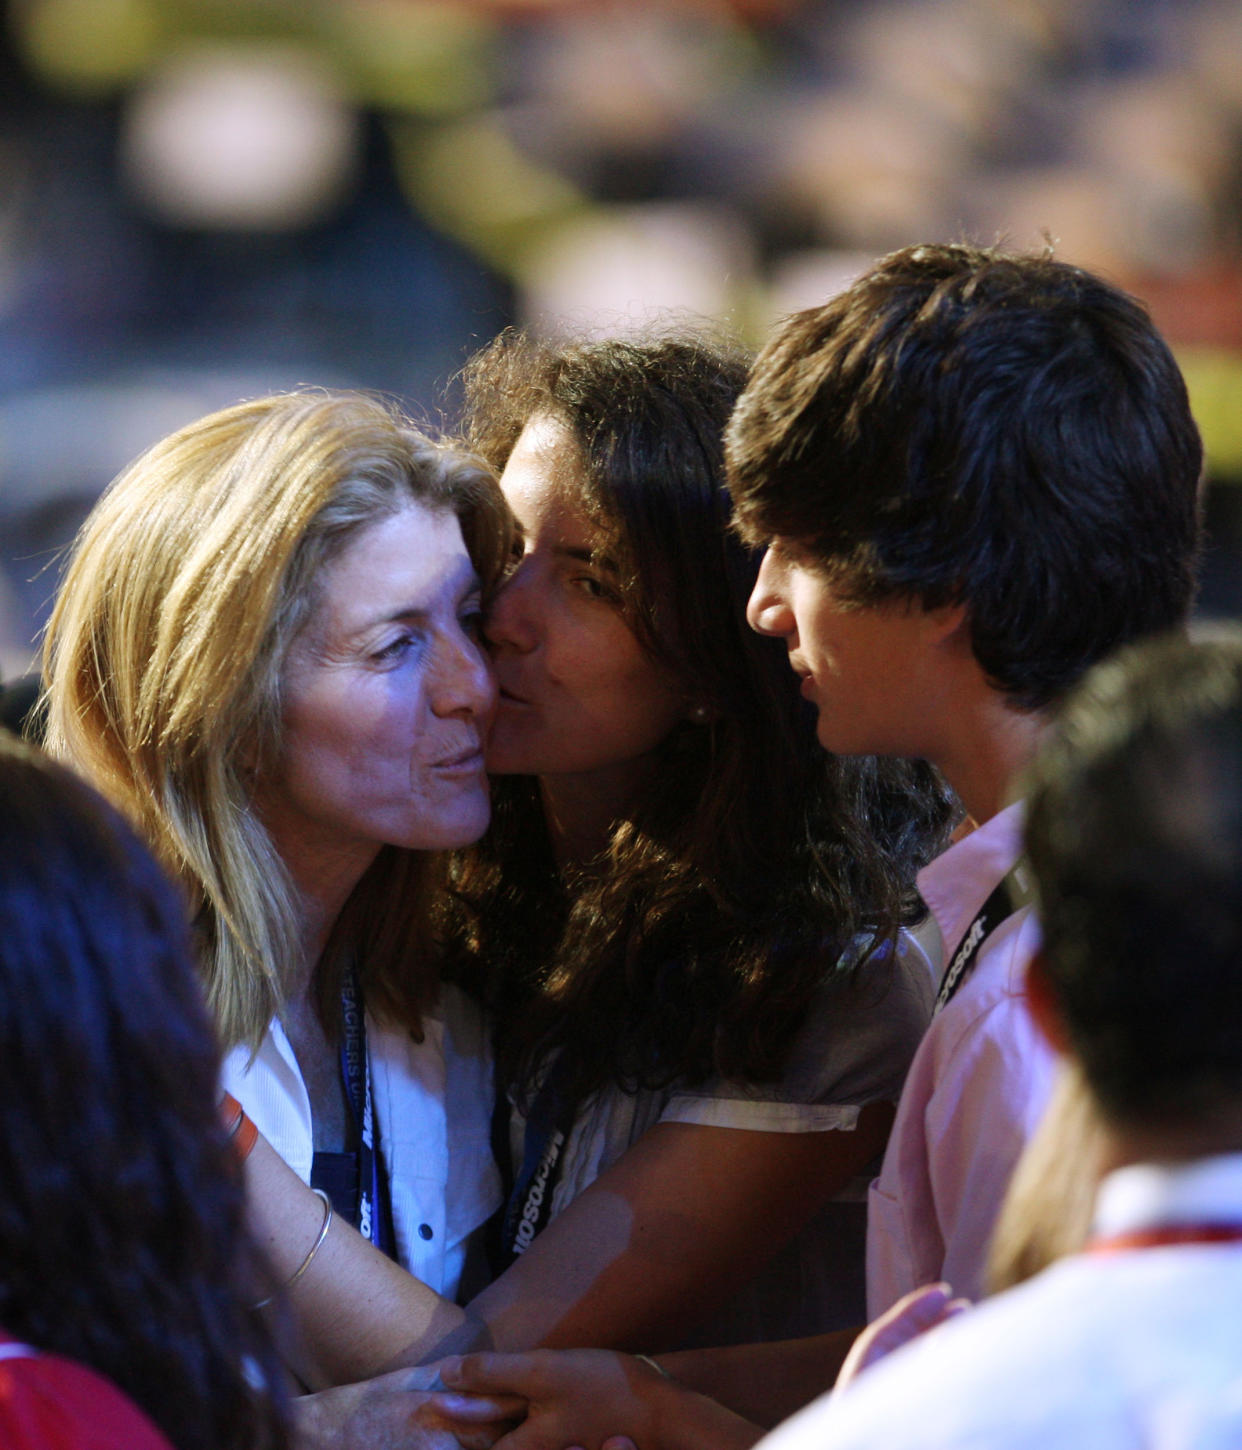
(433, 1105)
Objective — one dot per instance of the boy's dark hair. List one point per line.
(1135, 836)
(1007, 431)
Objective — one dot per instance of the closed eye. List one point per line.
(517, 552)
(595, 588)
(395, 650)
(471, 620)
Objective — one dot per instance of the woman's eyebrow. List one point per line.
(588, 556)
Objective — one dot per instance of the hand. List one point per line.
(915, 1314)
(391, 1412)
(580, 1397)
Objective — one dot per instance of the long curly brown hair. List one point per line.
(696, 942)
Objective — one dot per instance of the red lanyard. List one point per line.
(1174, 1233)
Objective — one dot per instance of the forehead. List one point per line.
(798, 555)
(405, 561)
(546, 484)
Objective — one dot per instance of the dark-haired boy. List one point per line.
(1135, 839)
(975, 475)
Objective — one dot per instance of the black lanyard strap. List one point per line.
(374, 1209)
(529, 1204)
(1010, 895)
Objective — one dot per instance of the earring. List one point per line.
(699, 714)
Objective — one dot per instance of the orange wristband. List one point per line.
(238, 1125)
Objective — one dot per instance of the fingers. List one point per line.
(477, 1409)
(490, 1373)
(917, 1312)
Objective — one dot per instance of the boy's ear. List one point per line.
(1041, 999)
(947, 620)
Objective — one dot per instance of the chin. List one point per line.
(512, 750)
(448, 830)
(467, 829)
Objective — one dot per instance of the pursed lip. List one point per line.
(806, 680)
(464, 760)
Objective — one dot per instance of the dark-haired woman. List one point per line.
(687, 919)
(122, 1239)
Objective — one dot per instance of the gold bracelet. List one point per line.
(314, 1249)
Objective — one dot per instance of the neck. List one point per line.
(581, 811)
(992, 742)
(319, 914)
(1205, 1136)
(323, 879)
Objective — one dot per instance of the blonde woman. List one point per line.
(265, 651)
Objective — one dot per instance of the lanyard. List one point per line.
(1225, 1232)
(529, 1204)
(374, 1209)
(1010, 895)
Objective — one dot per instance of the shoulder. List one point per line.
(854, 1048)
(1095, 1353)
(860, 1035)
(268, 1084)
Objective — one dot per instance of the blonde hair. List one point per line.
(163, 657)
(1048, 1207)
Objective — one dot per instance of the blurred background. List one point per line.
(204, 200)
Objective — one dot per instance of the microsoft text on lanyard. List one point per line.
(530, 1202)
(1013, 893)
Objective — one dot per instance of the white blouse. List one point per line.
(433, 1105)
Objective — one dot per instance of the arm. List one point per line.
(586, 1397)
(683, 1218)
(978, 1123)
(765, 1383)
(769, 1382)
(915, 1314)
(354, 1311)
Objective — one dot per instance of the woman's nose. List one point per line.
(464, 681)
(511, 615)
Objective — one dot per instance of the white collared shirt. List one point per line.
(1138, 1349)
(433, 1104)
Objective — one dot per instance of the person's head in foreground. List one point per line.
(965, 446)
(1135, 836)
(122, 1239)
(265, 651)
